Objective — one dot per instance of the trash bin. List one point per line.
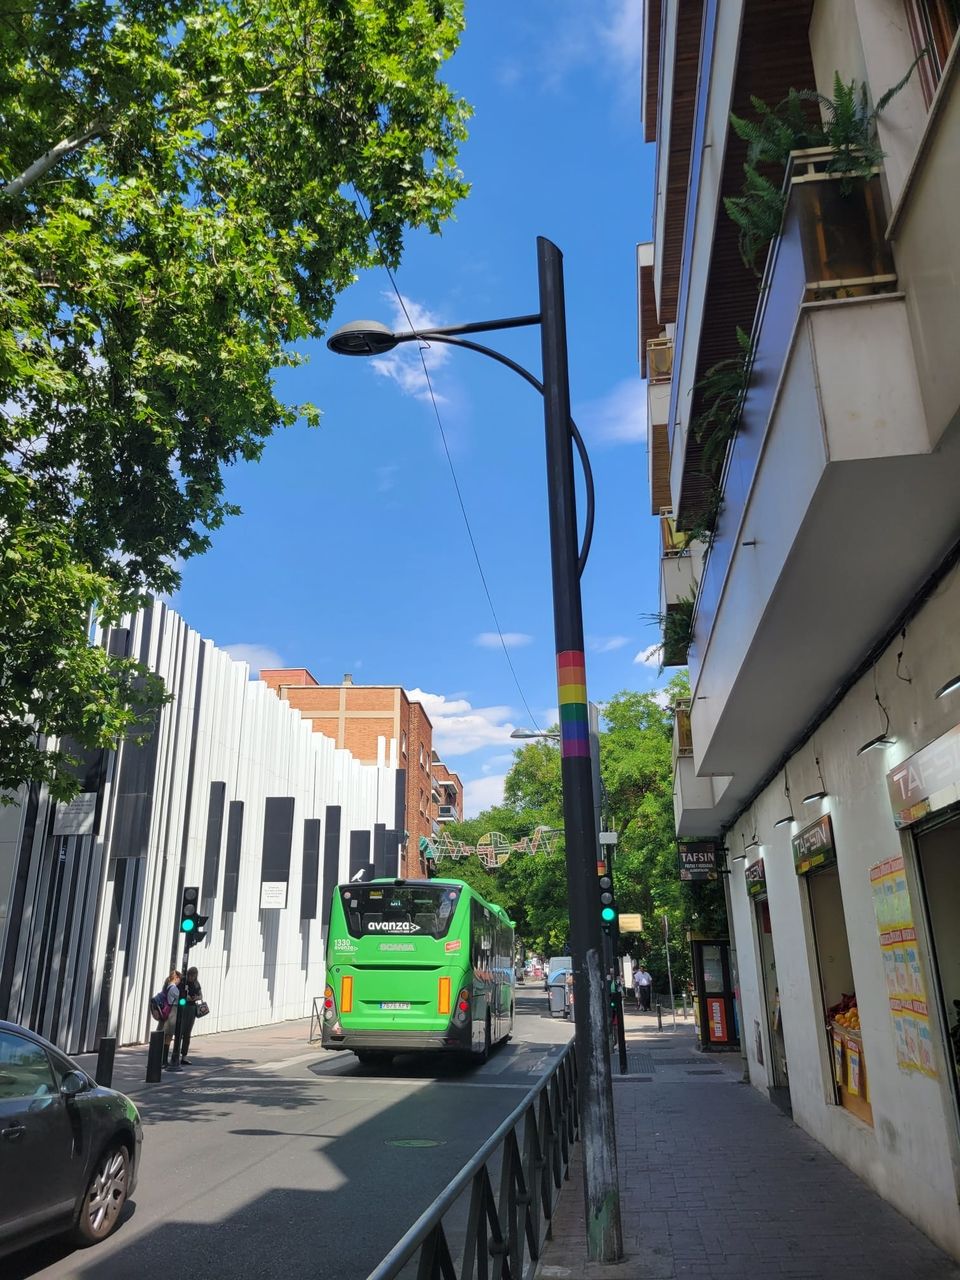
(558, 999)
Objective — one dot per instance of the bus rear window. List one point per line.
(399, 909)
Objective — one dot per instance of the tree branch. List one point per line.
(50, 158)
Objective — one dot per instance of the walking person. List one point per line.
(194, 1000)
(171, 995)
(643, 988)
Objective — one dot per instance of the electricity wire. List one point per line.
(422, 346)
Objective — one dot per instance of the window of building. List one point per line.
(403, 742)
(422, 765)
(933, 26)
(421, 800)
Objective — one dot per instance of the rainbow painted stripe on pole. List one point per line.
(572, 693)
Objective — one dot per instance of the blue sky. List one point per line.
(351, 553)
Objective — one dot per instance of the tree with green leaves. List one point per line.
(185, 188)
(636, 760)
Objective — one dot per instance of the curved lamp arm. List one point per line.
(430, 336)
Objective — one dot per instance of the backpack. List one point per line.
(159, 1009)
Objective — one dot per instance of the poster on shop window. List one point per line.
(906, 991)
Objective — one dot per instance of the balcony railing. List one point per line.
(682, 736)
(659, 359)
(447, 812)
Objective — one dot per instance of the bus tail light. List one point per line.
(346, 994)
(329, 1011)
(443, 996)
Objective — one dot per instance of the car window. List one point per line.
(24, 1068)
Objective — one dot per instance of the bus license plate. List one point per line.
(394, 1004)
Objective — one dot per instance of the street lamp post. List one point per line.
(601, 1188)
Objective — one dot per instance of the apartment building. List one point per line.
(232, 793)
(361, 717)
(806, 482)
(447, 793)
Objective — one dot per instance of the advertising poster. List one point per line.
(906, 992)
(837, 1057)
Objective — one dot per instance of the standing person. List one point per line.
(643, 988)
(171, 992)
(194, 996)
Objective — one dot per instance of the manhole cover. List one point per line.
(414, 1142)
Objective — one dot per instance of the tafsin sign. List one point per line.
(927, 781)
(698, 859)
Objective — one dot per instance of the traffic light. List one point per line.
(608, 907)
(191, 924)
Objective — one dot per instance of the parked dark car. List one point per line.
(69, 1149)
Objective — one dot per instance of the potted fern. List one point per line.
(832, 161)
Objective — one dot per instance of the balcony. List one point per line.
(658, 445)
(695, 799)
(447, 813)
(835, 508)
(681, 563)
(659, 360)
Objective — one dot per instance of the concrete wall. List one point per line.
(911, 1154)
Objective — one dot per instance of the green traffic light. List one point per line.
(186, 926)
(182, 1000)
(608, 914)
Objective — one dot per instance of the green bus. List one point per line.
(417, 965)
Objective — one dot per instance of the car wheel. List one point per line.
(105, 1196)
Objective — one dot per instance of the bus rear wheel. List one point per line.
(373, 1057)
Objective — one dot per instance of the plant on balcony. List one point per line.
(704, 523)
(846, 125)
(676, 626)
(722, 390)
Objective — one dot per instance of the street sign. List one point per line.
(631, 922)
(698, 859)
(75, 817)
(608, 837)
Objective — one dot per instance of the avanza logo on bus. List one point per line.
(392, 926)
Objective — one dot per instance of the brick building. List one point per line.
(357, 717)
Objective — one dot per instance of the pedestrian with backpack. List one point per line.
(163, 1007)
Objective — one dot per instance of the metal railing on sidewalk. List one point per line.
(529, 1157)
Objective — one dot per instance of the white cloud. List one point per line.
(386, 477)
(650, 657)
(662, 698)
(404, 365)
(607, 644)
(499, 761)
(512, 639)
(459, 727)
(482, 793)
(606, 35)
(619, 417)
(258, 656)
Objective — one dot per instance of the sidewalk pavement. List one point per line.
(251, 1047)
(717, 1183)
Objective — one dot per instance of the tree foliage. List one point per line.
(637, 770)
(185, 187)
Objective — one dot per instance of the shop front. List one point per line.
(925, 796)
(815, 862)
(756, 885)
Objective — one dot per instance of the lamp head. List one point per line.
(362, 338)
